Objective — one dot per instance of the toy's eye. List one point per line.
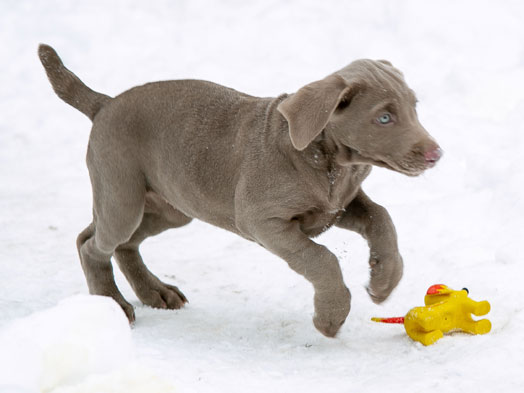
(384, 119)
(466, 289)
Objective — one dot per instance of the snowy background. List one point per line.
(248, 327)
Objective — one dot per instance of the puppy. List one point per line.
(276, 171)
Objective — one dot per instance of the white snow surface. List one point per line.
(248, 325)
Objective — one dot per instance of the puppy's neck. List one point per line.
(340, 155)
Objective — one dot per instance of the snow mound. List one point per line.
(131, 379)
(80, 336)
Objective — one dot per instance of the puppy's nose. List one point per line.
(432, 156)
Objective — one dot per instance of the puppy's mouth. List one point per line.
(413, 164)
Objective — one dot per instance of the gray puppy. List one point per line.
(277, 171)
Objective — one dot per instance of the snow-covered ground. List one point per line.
(248, 327)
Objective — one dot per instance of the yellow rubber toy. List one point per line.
(446, 310)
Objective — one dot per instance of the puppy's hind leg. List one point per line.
(99, 273)
(158, 217)
(118, 199)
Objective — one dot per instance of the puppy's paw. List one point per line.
(127, 308)
(157, 294)
(385, 274)
(129, 311)
(327, 328)
(331, 311)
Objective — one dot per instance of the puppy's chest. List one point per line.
(341, 186)
(332, 193)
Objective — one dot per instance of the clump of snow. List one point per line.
(81, 345)
(82, 335)
(130, 379)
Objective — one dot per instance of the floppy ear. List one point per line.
(309, 109)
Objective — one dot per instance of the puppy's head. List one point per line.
(369, 113)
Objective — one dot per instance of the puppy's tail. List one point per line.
(68, 86)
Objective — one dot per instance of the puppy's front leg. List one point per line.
(373, 222)
(313, 261)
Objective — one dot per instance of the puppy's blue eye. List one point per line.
(384, 119)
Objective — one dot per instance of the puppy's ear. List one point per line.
(309, 109)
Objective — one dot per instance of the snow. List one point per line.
(248, 324)
(65, 343)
